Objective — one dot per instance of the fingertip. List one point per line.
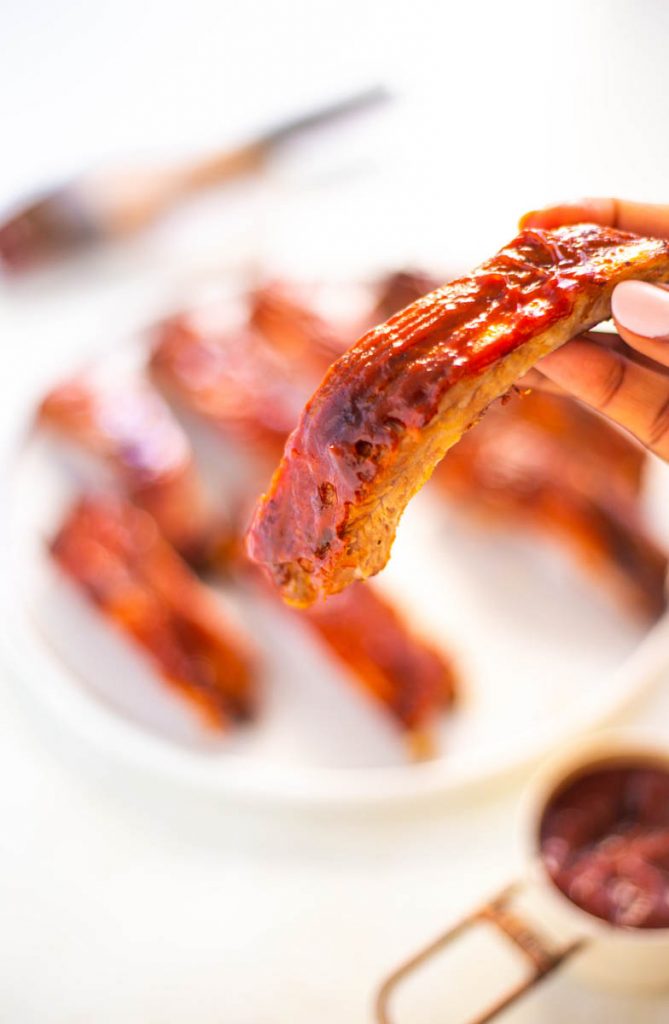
(549, 217)
(577, 211)
(528, 220)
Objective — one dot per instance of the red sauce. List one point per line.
(604, 839)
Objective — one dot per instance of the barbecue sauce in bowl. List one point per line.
(604, 841)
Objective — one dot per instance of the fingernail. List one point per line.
(641, 308)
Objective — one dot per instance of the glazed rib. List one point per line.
(518, 466)
(115, 554)
(128, 426)
(547, 463)
(411, 680)
(233, 380)
(294, 328)
(389, 409)
(544, 462)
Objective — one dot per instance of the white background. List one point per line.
(120, 905)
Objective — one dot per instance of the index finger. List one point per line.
(642, 218)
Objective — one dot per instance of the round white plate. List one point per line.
(542, 655)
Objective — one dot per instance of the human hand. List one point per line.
(625, 376)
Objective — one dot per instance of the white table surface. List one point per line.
(121, 903)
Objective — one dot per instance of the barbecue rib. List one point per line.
(293, 327)
(234, 380)
(114, 552)
(545, 462)
(128, 426)
(389, 408)
(409, 678)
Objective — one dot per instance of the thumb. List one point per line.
(641, 314)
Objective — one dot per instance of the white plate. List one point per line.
(542, 655)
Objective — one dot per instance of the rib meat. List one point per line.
(232, 379)
(287, 320)
(389, 409)
(128, 426)
(115, 553)
(545, 462)
(409, 678)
